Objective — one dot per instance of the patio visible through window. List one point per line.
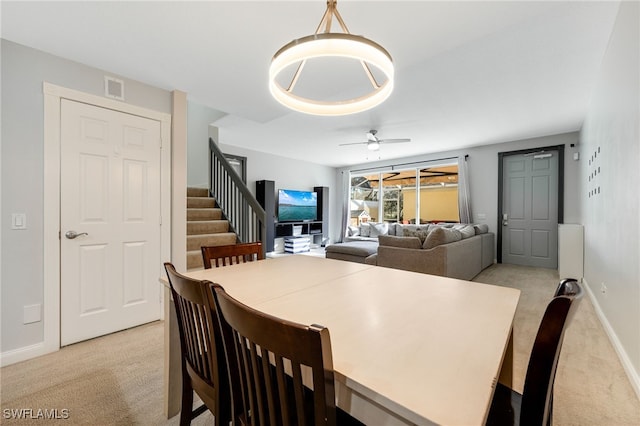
(419, 195)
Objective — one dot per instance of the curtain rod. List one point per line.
(393, 166)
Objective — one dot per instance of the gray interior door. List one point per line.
(530, 209)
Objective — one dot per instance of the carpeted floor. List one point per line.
(117, 379)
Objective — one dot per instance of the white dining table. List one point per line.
(408, 348)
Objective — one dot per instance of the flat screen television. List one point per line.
(297, 206)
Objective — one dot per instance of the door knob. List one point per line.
(73, 234)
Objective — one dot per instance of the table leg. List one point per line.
(506, 371)
(172, 368)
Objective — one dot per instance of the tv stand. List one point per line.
(317, 230)
(311, 228)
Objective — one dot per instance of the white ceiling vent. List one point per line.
(113, 88)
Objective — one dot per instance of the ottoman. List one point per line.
(353, 251)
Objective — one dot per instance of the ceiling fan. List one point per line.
(373, 142)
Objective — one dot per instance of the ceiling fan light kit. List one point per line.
(328, 44)
(373, 145)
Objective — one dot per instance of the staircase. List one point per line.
(205, 226)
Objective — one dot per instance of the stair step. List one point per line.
(194, 260)
(197, 192)
(200, 203)
(207, 227)
(194, 242)
(204, 214)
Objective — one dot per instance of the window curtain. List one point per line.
(464, 192)
(346, 203)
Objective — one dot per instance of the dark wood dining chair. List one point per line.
(204, 368)
(267, 359)
(230, 254)
(535, 405)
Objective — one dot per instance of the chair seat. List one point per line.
(505, 407)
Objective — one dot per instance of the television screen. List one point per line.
(297, 205)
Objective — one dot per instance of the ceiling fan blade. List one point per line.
(353, 143)
(394, 140)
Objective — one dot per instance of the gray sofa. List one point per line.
(463, 259)
(453, 250)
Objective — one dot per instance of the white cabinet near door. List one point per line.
(570, 250)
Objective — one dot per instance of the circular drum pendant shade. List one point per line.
(328, 44)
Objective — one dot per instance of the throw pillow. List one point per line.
(365, 230)
(392, 228)
(402, 242)
(467, 231)
(377, 229)
(421, 234)
(401, 228)
(352, 231)
(441, 236)
(482, 228)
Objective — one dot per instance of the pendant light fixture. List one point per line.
(324, 43)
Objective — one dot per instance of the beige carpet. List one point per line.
(117, 379)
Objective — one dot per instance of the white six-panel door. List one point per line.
(110, 190)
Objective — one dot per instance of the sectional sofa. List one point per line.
(450, 250)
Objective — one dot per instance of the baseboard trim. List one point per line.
(632, 374)
(24, 354)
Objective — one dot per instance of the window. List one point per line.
(439, 194)
(364, 199)
(416, 195)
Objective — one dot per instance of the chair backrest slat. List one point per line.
(282, 390)
(257, 387)
(231, 254)
(275, 395)
(298, 392)
(270, 383)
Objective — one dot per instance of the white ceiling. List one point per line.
(467, 73)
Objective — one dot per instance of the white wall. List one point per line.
(287, 174)
(199, 117)
(612, 217)
(483, 174)
(23, 72)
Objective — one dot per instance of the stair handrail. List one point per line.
(246, 216)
